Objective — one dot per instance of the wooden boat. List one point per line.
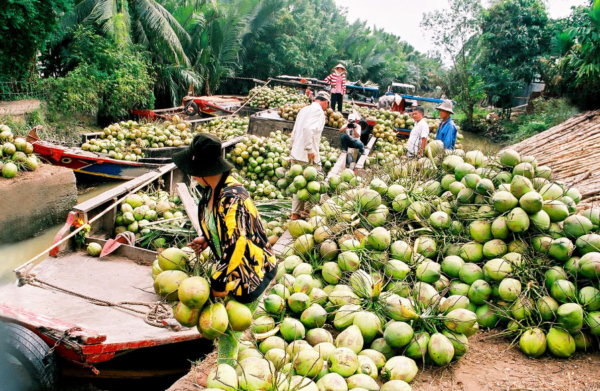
(42, 302)
(98, 167)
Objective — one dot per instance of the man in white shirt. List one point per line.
(350, 138)
(419, 133)
(306, 137)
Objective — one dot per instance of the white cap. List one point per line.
(351, 117)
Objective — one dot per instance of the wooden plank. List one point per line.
(284, 240)
(115, 192)
(191, 208)
(338, 167)
(370, 145)
(130, 252)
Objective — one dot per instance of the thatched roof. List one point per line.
(572, 150)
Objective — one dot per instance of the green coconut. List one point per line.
(497, 269)
(314, 316)
(460, 343)
(540, 221)
(563, 291)
(292, 329)
(376, 357)
(272, 342)
(382, 347)
(240, 316)
(570, 317)
(504, 201)
(576, 226)
(332, 381)
(471, 252)
(551, 191)
(369, 325)
(547, 307)
(167, 284)
(589, 298)
(224, 377)
(316, 336)
(561, 249)
(213, 321)
(533, 343)
(517, 220)
(400, 368)
(308, 363)
(588, 243)
(525, 169)
(509, 289)
(520, 185)
(194, 292)
(298, 302)
(510, 157)
(500, 228)
(479, 292)
(451, 265)
(440, 349)
(349, 261)
(398, 334)
(263, 324)
(589, 265)
(470, 272)
(556, 210)
(343, 361)
(344, 316)
(350, 338)
(592, 320)
(486, 316)
(461, 321)
(560, 343)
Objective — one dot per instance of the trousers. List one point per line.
(337, 99)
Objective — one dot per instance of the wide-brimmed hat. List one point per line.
(340, 65)
(325, 95)
(203, 157)
(446, 106)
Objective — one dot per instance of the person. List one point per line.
(231, 226)
(385, 102)
(306, 138)
(419, 133)
(399, 104)
(337, 82)
(309, 94)
(350, 138)
(447, 129)
(365, 130)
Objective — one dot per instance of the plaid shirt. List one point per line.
(246, 259)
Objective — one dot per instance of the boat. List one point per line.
(88, 310)
(99, 167)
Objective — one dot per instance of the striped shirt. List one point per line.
(332, 79)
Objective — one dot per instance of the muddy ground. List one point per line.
(490, 365)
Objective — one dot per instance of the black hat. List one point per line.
(203, 157)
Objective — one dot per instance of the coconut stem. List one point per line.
(230, 341)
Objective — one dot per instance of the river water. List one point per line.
(15, 254)
(484, 144)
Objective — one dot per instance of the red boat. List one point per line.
(56, 315)
(193, 106)
(88, 165)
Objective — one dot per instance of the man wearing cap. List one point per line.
(447, 130)
(305, 139)
(419, 133)
(337, 81)
(350, 138)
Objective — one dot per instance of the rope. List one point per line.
(159, 315)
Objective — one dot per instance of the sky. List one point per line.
(403, 17)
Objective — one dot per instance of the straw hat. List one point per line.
(446, 106)
(340, 65)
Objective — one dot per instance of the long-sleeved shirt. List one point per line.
(334, 81)
(246, 264)
(306, 135)
(447, 133)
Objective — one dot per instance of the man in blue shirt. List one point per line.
(447, 129)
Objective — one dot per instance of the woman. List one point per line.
(231, 227)
(337, 81)
(229, 222)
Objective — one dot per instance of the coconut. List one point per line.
(366, 366)
(456, 187)
(376, 357)
(314, 316)
(561, 249)
(589, 265)
(350, 338)
(369, 325)
(583, 342)
(292, 329)
(274, 304)
(362, 283)
(343, 361)
(563, 291)
(470, 272)
(533, 343)
(479, 292)
(298, 302)
(263, 325)
(244, 354)
(173, 259)
(256, 374)
(342, 297)
(396, 385)
(451, 265)
(400, 368)
(428, 271)
(540, 221)
(510, 158)
(316, 336)
(560, 343)
(382, 347)
(425, 294)
(486, 316)
(465, 196)
(525, 169)
(213, 321)
(509, 289)
(224, 378)
(396, 269)
(349, 261)
(399, 308)
(369, 199)
(517, 220)
(556, 210)
(570, 317)
(588, 243)
(547, 307)
(331, 382)
(401, 202)
(440, 220)
(460, 289)
(520, 185)
(308, 362)
(240, 316)
(303, 282)
(572, 266)
(460, 343)
(194, 292)
(589, 297)
(317, 295)
(576, 226)
(186, 316)
(453, 302)
(461, 321)
(278, 357)
(592, 320)
(398, 334)
(497, 269)
(167, 284)
(481, 231)
(94, 249)
(294, 347)
(500, 228)
(440, 349)
(324, 349)
(504, 201)
(379, 238)
(362, 381)
(344, 316)
(426, 246)
(331, 272)
(272, 342)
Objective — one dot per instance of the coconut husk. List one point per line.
(572, 150)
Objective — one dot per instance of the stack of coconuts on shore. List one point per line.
(398, 270)
(16, 154)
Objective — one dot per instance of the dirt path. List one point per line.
(19, 107)
(490, 365)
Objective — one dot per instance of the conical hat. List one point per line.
(446, 106)
(340, 65)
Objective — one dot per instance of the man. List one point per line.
(305, 139)
(419, 133)
(447, 129)
(350, 138)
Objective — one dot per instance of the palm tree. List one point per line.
(146, 23)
